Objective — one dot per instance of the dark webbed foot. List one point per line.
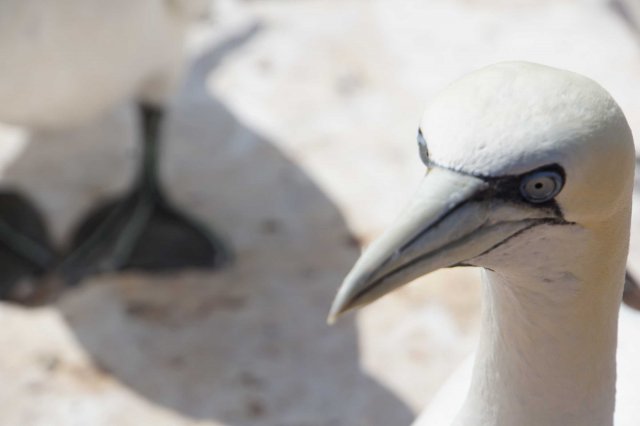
(142, 230)
(26, 251)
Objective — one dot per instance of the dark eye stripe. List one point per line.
(509, 187)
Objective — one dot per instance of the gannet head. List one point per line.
(511, 150)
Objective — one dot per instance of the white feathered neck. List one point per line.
(548, 341)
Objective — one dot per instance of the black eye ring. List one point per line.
(422, 148)
(541, 186)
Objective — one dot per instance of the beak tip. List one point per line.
(331, 319)
(338, 308)
(334, 314)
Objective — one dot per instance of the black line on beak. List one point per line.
(504, 188)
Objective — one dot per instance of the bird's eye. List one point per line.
(422, 147)
(541, 186)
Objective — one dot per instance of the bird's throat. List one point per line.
(545, 358)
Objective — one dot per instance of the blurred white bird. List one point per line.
(530, 176)
(64, 62)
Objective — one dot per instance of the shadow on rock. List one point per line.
(248, 345)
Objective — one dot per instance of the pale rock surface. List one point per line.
(296, 138)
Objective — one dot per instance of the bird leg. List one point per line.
(142, 230)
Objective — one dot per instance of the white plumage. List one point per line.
(448, 401)
(63, 62)
(530, 176)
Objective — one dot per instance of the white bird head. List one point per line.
(523, 161)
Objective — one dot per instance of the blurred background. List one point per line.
(292, 134)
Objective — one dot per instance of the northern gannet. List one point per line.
(530, 173)
(64, 62)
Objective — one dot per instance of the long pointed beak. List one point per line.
(451, 220)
